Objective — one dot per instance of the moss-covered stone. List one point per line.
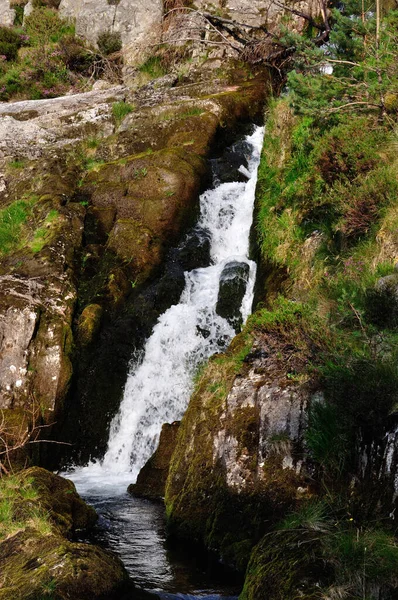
(37, 558)
(36, 567)
(89, 323)
(283, 566)
(151, 480)
(67, 511)
(240, 447)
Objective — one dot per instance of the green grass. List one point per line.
(17, 164)
(120, 110)
(93, 142)
(19, 508)
(12, 220)
(153, 67)
(43, 233)
(90, 164)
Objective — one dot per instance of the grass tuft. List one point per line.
(120, 110)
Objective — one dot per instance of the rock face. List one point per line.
(240, 446)
(137, 23)
(39, 556)
(35, 128)
(151, 480)
(7, 14)
(37, 300)
(104, 198)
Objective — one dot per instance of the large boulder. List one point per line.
(151, 480)
(240, 448)
(137, 23)
(233, 282)
(33, 565)
(37, 300)
(37, 555)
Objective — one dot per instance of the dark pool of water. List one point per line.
(134, 529)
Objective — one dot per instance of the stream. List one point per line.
(160, 382)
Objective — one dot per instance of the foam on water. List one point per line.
(159, 384)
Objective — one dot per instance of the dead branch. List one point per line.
(19, 438)
(255, 43)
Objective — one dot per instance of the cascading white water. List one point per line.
(159, 385)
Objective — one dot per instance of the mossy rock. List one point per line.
(133, 242)
(151, 480)
(228, 483)
(35, 567)
(283, 566)
(89, 324)
(195, 134)
(67, 510)
(37, 558)
(150, 198)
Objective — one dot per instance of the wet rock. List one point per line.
(227, 168)
(89, 324)
(151, 480)
(194, 251)
(233, 283)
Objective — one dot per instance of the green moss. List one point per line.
(89, 323)
(281, 569)
(44, 234)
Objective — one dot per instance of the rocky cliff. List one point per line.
(97, 186)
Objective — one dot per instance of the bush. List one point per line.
(109, 42)
(326, 439)
(10, 42)
(359, 397)
(46, 3)
(75, 55)
(44, 25)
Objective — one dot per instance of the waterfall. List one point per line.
(160, 381)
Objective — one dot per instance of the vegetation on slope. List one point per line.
(328, 194)
(43, 58)
(327, 230)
